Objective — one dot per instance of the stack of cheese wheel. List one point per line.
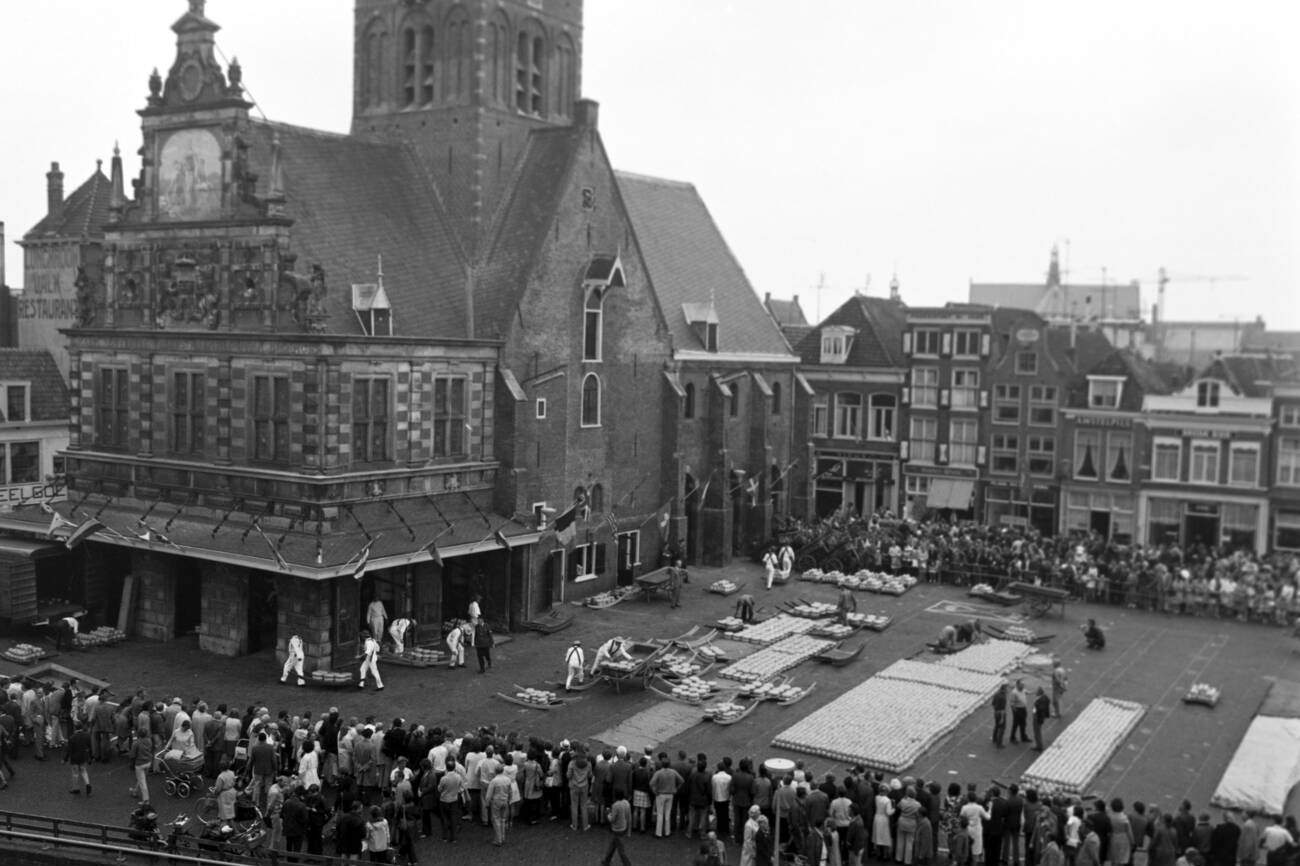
(813, 609)
(694, 690)
(990, 657)
(723, 587)
(1069, 764)
(536, 696)
(772, 660)
(777, 628)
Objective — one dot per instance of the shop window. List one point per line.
(1286, 530)
(917, 485)
(963, 442)
(1288, 461)
(271, 419)
(591, 400)
(1164, 521)
(1243, 464)
(848, 415)
(1042, 405)
(925, 387)
(965, 343)
(1041, 454)
(1006, 404)
(1027, 363)
(23, 465)
(1204, 466)
(111, 408)
(925, 341)
(1166, 460)
(965, 389)
(187, 413)
(1238, 523)
(924, 439)
(883, 407)
(370, 414)
(449, 411)
(1005, 453)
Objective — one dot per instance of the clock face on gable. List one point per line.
(189, 176)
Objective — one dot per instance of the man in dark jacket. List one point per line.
(393, 747)
(296, 819)
(700, 796)
(350, 832)
(993, 826)
(1042, 712)
(1184, 824)
(1223, 842)
(999, 714)
(265, 765)
(1013, 810)
(78, 755)
(742, 797)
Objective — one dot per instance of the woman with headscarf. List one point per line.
(1164, 840)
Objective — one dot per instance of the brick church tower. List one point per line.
(463, 83)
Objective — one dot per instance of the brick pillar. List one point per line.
(224, 601)
(155, 609)
(304, 608)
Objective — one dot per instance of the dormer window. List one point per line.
(1105, 392)
(370, 303)
(703, 319)
(16, 401)
(836, 342)
(1207, 395)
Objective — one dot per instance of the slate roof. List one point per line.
(520, 226)
(1278, 341)
(48, 394)
(785, 312)
(83, 214)
(354, 199)
(879, 323)
(688, 261)
(1145, 377)
(1252, 375)
(1090, 347)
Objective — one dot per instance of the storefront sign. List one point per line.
(1103, 421)
(940, 471)
(40, 491)
(1205, 434)
(1210, 508)
(1013, 520)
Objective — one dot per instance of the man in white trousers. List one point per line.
(370, 661)
(293, 662)
(397, 631)
(771, 563)
(574, 661)
(456, 646)
(786, 556)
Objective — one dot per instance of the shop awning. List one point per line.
(960, 493)
(940, 490)
(27, 549)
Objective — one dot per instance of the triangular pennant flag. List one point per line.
(363, 559)
(434, 555)
(85, 529)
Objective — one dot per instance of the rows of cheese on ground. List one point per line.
(1077, 754)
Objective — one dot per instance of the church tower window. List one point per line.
(530, 59)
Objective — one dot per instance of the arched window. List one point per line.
(410, 66)
(733, 405)
(593, 326)
(565, 76)
(376, 69)
(498, 84)
(458, 55)
(597, 498)
(776, 398)
(428, 68)
(688, 405)
(530, 68)
(591, 400)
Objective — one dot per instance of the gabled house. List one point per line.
(848, 405)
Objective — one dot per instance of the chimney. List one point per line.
(586, 113)
(53, 189)
(767, 299)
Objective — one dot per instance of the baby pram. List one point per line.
(183, 775)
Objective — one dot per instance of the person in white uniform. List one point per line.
(771, 562)
(293, 661)
(786, 555)
(610, 650)
(376, 616)
(397, 631)
(456, 647)
(574, 661)
(370, 662)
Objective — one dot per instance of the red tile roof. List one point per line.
(48, 394)
(83, 214)
(688, 261)
(353, 200)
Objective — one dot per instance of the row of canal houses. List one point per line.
(974, 412)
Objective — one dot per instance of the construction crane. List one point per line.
(1163, 278)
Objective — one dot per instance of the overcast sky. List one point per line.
(947, 141)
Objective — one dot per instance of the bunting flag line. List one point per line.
(83, 530)
(566, 526)
(58, 521)
(152, 535)
(280, 561)
(362, 558)
(612, 522)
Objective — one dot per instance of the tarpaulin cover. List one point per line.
(1264, 769)
(1282, 700)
